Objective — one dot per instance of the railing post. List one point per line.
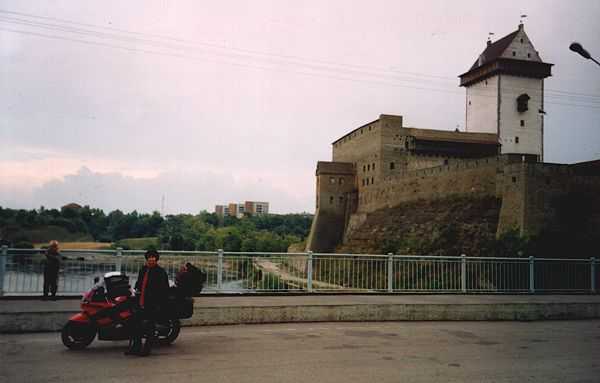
(3, 256)
(309, 272)
(593, 274)
(390, 273)
(219, 269)
(463, 273)
(531, 276)
(119, 255)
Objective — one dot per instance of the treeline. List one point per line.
(28, 225)
(204, 231)
(257, 233)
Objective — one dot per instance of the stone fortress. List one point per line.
(384, 164)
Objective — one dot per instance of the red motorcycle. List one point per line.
(109, 307)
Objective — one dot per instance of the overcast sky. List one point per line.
(115, 104)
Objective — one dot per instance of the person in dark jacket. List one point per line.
(51, 267)
(152, 287)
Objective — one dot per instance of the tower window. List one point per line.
(514, 180)
(332, 180)
(522, 122)
(331, 199)
(521, 41)
(372, 181)
(514, 53)
(528, 55)
(392, 165)
(523, 102)
(364, 168)
(469, 102)
(373, 167)
(516, 140)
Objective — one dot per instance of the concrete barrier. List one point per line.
(401, 312)
(34, 316)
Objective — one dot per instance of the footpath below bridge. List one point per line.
(18, 315)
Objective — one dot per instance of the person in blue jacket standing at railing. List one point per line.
(51, 267)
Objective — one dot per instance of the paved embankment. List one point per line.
(29, 315)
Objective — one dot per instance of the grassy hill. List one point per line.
(79, 245)
(45, 234)
(137, 243)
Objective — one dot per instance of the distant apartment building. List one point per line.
(220, 210)
(239, 209)
(256, 208)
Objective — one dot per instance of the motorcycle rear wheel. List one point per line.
(77, 336)
(174, 326)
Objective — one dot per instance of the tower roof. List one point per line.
(501, 57)
(494, 50)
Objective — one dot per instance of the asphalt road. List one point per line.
(552, 351)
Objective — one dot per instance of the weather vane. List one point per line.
(490, 34)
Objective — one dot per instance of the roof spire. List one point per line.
(489, 40)
(521, 21)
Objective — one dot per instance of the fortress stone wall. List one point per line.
(467, 177)
(388, 165)
(534, 193)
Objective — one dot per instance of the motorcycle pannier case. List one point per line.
(179, 307)
(117, 285)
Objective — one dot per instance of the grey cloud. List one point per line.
(188, 192)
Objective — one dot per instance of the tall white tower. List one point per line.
(505, 94)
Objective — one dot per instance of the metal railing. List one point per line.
(21, 272)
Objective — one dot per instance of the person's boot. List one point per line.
(147, 346)
(135, 347)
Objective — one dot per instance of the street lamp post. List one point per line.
(576, 47)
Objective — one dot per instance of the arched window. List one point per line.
(523, 102)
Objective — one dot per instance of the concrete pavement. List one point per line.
(33, 315)
(548, 351)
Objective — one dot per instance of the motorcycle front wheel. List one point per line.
(168, 331)
(77, 336)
